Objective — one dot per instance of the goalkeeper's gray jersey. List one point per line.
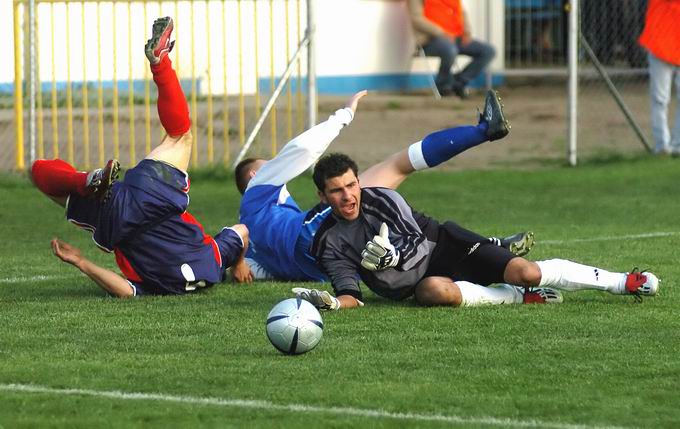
(338, 244)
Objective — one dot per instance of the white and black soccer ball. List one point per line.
(294, 326)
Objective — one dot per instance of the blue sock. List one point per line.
(443, 145)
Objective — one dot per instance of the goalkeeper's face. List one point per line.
(343, 194)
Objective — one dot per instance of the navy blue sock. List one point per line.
(443, 145)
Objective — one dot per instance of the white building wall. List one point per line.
(355, 38)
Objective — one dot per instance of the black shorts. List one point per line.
(461, 254)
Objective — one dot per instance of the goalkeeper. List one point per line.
(374, 234)
(281, 233)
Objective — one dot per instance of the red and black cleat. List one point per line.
(100, 181)
(542, 295)
(159, 45)
(640, 283)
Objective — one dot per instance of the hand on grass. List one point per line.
(241, 272)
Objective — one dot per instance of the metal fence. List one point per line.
(81, 71)
(93, 97)
(603, 80)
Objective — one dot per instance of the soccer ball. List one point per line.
(294, 326)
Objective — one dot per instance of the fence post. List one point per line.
(18, 90)
(487, 31)
(32, 81)
(311, 67)
(573, 80)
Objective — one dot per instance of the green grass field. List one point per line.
(71, 357)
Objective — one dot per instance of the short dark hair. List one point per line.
(332, 165)
(241, 173)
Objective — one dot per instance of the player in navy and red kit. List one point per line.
(160, 248)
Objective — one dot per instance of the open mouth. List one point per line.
(349, 208)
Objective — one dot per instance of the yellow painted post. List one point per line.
(176, 48)
(241, 100)
(210, 104)
(55, 118)
(131, 91)
(116, 143)
(225, 96)
(18, 91)
(69, 91)
(289, 94)
(298, 92)
(41, 137)
(86, 112)
(272, 113)
(147, 93)
(100, 91)
(194, 114)
(257, 72)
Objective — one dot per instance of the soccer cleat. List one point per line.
(99, 181)
(497, 126)
(159, 45)
(542, 295)
(519, 244)
(640, 283)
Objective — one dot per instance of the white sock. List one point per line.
(475, 295)
(415, 155)
(567, 275)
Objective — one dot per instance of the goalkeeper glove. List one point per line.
(318, 298)
(379, 253)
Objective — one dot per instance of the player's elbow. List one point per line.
(242, 231)
(122, 292)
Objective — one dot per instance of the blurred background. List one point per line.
(80, 88)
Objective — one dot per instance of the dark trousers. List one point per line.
(482, 53)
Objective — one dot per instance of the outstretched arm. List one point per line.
(106, 279)
(303, 151)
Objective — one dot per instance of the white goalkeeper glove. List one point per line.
(379, 253)
(318, 298)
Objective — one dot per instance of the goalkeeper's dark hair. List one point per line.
(332, 165)
(241, 173)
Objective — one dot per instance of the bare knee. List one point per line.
(522, 272)
(389, 173)
(437, 291)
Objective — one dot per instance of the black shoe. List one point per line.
(520, 244)
(498, 126)
(461, 90)
(444, 89)
(100, 181)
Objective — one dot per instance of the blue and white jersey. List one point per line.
(281, 234)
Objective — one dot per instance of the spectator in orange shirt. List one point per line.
(442, 29)
(661, 37)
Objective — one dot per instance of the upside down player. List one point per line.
(281, 233)
(160, 248)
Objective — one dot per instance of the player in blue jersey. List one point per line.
(160, 248)
(281, 233)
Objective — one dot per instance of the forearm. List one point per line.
(466, 24)
(106, 279)
(302, 152)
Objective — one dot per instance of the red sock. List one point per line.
(58, 178)
(173, 109)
